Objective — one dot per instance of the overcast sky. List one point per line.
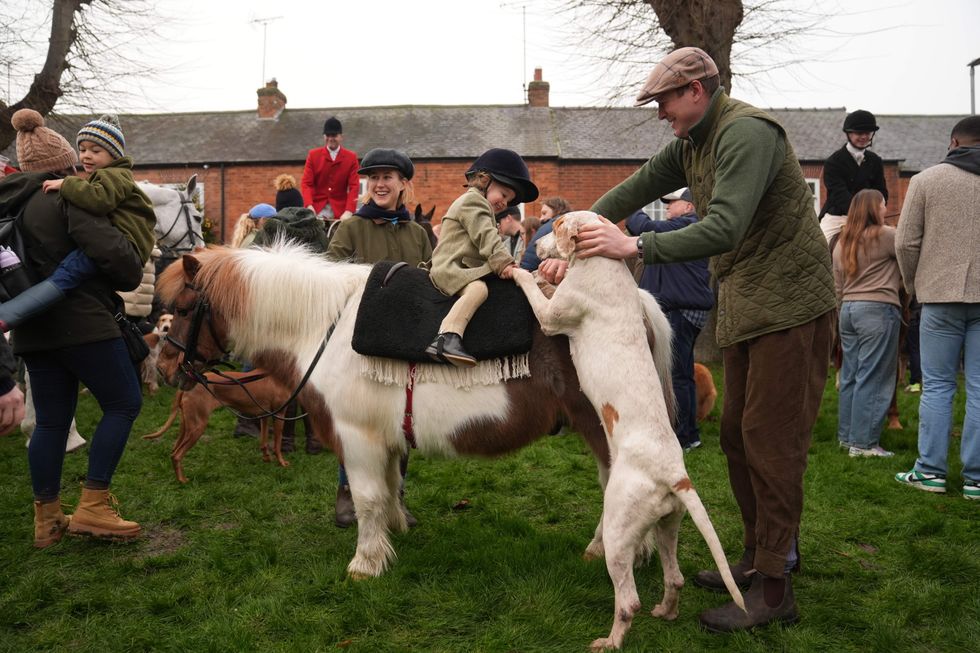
(887, 56)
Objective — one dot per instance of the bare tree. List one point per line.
(75, 56)
(627, 36)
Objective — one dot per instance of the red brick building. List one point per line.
(577, 153)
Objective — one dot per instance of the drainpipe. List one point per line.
(973, 94)
(223, 241)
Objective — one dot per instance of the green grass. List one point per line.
(246, 558)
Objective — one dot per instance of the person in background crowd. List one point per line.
(867, 281)
(509, 228)
(287, 194)
(551, 208)
(91, 352)
(381, 230)
(775, 298)
(939, 258)
(684, 294)
(249, 224)
(850, 169)
(330, 179)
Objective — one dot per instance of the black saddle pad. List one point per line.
(399, 320)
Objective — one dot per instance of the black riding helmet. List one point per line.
(860, 121)
(508, 168)
(381, 157)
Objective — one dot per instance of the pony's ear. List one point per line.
(191, 266)
(418, 212)
(432, 212)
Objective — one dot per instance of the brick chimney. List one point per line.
(537, 91)
(272, 102)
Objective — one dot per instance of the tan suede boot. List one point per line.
(50, 523)
(96, 516)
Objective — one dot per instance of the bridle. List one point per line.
(185, 208)
(201, 313)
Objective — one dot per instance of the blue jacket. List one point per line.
(675, 285)
(530, 262)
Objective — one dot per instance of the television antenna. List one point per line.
(265, 26)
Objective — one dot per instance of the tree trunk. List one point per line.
(46, 89)
(706, 24)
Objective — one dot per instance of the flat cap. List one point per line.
(677, 69)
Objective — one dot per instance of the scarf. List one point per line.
(966, 158)
(372, 211)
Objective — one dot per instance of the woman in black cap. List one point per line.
(470, 247)
(381, 230)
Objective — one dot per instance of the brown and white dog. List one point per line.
(149, 374)
(704, 386)
(600, 309)
(197, 404)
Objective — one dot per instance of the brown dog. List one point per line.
(705, 387)
(197, 404)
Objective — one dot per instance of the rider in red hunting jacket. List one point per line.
(330, 175)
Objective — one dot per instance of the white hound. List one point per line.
(600, 309)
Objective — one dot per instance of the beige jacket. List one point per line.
(469, 245)
(139, 302)
(938, 238)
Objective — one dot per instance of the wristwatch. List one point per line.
(639, 247)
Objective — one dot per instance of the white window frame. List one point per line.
(814, 184)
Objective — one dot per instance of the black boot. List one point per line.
(247, 428)
(344, 515)
(448, 348)
(289, 429)
(313, 444)
(742, 572)
(779, 608)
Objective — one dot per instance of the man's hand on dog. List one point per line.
(604, 239)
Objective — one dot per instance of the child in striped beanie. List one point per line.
(109, 191)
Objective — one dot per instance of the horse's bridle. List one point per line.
(202, 312)
(185, 203)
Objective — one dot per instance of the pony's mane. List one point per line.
(281, 296)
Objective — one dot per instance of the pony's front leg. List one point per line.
(366, 461)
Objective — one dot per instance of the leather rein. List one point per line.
(201, 314)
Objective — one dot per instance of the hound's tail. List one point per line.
(170, 420)
(660, 335)
(689, 497)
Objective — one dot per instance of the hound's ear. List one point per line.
(152, 339)
(191, 266)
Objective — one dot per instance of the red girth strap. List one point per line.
(407, 427)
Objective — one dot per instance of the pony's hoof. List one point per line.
(593, 552)
(357, 575)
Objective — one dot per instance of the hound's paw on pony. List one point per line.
(604, 315)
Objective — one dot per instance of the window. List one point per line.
(814, 185)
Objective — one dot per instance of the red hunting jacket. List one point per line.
(325, 179)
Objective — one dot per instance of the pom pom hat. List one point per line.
(40, 149)
(104, 132)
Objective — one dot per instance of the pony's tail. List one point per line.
(170, 419)
(660, 336)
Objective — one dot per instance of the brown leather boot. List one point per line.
(742, 572)
(96, 516)
(344, 514)
(730, 618)
(50, 523)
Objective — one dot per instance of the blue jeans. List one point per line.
(869, 339)
(682, 377)
(106, 370)
(945, 331)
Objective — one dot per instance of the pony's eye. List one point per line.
(182, 312)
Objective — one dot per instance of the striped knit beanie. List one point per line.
(106, 133)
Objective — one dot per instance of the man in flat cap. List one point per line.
(775, 297)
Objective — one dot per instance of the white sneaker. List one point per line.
(871, 452)
(75, 442)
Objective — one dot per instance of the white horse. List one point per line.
(277, 305)
(179, 221)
